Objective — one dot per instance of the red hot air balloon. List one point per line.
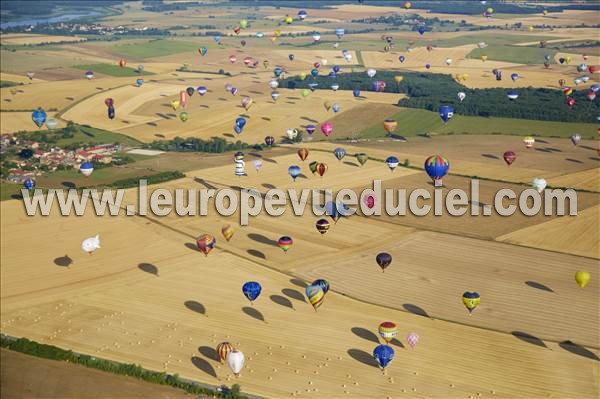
(321, 168)
(122, 63)
(571, 102)
(206, 243)
(509, 157)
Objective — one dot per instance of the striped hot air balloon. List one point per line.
(388, 331)
(528, 141)
(206, 243)
(322, 226)
(303, 153)
(223, 350)
(227, 231)
(285, 243)
(315, 295)
(324, 284)
(321, 168)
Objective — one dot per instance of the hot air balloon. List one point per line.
(30, 75)
(335, 107)
(91, 244)
(509, 157)
(384, 355)
(223, 350)
(258, 164)
(390, 125)
(321, 168)
(183, 116)
(512, 95)
(183, 97)
(582, 278)
(29, 184)
(427, 66)
(484, 58)
(294, 171)
(326, 128)
(38, 117)
(514, 77)
(292, 133)
(227, 231)
(285, 243)
(528, 141)
(322, 226)
(251, 290)
(235, 361)
(288, 20)
(315, 295)
(436, 166)
(335, 86)
(378, 86)
(234, 91)
(339, 153)
(567, 91)
(86, 168)
(206, 243)
(356, 92)
(316, 37)
(575, 139)
(51, 123)
(175, 104)
(274, 95)
(421, 29)
(371, 72)
(461, 96)
(109, 102)
(310, 129)
(243, 24)
(402, 58)
(201, 90)
(362, 158)
(89, 74)
(122, 63)
(190, 91)
(539, 184)
(313, 167)
(383, 259)
(591, 95)
(446, 112)
(388, 331)
(407, 5)
(202, 51)
(139, 82)
(412, 339)
(392, 162)
(243, 43)
(111, 112)
(247, 102)
(305, 92)
(302, 14)
(269, 140)
(570, 102)
(471, 300)
(303, 153)
(429, 47)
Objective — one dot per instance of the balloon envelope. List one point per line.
(294, 171)
(235, 361)
(383, 259)
(384, 355)
(436, 166)
(206, 243)
(251, 290)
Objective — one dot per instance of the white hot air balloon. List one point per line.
(461, 96)
(335, 86)
(324, 61)
(91, 244)
(273, 84)
(539, 184)
(291, 133)
(258, 164)
(274, 95)
(316, 36)
(371, 72)
(235, 361)
(448, 61)
(482, 44)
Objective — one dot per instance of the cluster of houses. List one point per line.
(83, 28)
(52, 157)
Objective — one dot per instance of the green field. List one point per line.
(86, 136)
(8, 83)
(516, 54)
(413, 122)
(158, 47)
(111, 70)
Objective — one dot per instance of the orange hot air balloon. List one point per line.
(303, 153)
(227, 232)
(390, 125)
(122, 63)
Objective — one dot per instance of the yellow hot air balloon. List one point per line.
(545, 12)
(471, 300)
(568, 59)
(398, 79)
(302, 75)
(227, 232)
(530, 28)
(288, 20)
(273, 39)
(277, 32)
(484, 58)
(175, 104)
(243, 24)
(582, 278)
(305, 92)
(315, 295)
(407, 5)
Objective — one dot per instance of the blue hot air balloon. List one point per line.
(29, 184)
(339, 153)
(437, 167)
(514, 77)
(335, 107)
(89, 74)
(512, 95)
(421, 29)
(139, 82)
(314, 72)
(240, 122)
(294, 171)
(446, 112)
(340, 32)
(356, 92)
(38, 117)
(251, 290)
(324, 284)
(201, 90)
(392, 162)
(302, 14)
(86, 168)
(277, 71)
(217, 39)
(383, 354)
(336, 69)
(111, 112)
(402, 58)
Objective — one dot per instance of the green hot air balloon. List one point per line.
(183, 116)
(313, 167)
(362, 158)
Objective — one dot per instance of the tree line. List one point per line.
(430, 91)
(194, 144)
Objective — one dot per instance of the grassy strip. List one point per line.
(23, 345)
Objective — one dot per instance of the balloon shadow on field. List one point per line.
(192, 246)
(16, 196)
(63, 261)
(262, 239)
(256, 253)
(204, 183)
(203, 365)
(365, 334)
(543, 150)
(269, 186)
(255, 154)
(530, 339)
(308, 119)
(209, 353)
(283, 301)
(69, 185)
(228, 135)
(587, 147)
(578, 350)
(350, 163)
(414, 309)
(541, 141)
(195, 306)
(539, 286)
(595, 158)
(397, 342)
(254, 313)
(573, 160)
(363, 357)
(269, 160)
(298, 282)
(148, 268)
(491, 156)
(297, 295)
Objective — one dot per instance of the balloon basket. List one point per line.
(438, 183)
